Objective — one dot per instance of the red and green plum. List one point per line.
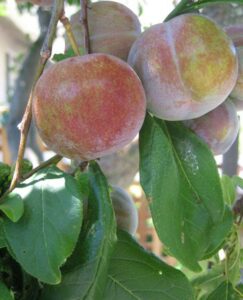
(218, 128)
(188, 66)
(90, 106)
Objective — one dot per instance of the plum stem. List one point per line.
(57, 13)
(66, 23)
(84, 22)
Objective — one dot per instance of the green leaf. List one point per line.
(140, 9)
(238, 181)
(203, 3)
(2, 237)
(229, 189)
(69, 53)
(180, 179)
(208, 280)
(83, 183)
(135, 273)
(185, 6)
(5, 170)
(199, 168)
(26, 167)
(239, 288)
(225, 270)
(48, 231)
(13, 207)
(5, 177)
(5, 294)
(224, 292)
(85, 273)
(233, 258)
(74, 2)
(218, 231)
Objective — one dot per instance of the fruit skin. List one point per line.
(90, 106)
(218, 128)
(113, 28)
(188, 66)
(236, 34)
(125, 210)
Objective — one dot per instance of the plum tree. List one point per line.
(112, 27)
(60, 234)
(188, 66)
(125, 210)
(218, 128)
(235, 32)
(90, 106)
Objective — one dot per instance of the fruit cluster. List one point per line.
(184, 69)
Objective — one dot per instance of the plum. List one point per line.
(88, 106)
(236, 34)
(188, 66)
(125, 210)
(113, 28)
(218, 128)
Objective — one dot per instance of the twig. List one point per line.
(53, 160)
(57, 13)
(84, 21)
(70, 34)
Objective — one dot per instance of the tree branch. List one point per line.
(84, 21)
(57, 12)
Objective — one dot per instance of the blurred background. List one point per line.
(22, 32)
